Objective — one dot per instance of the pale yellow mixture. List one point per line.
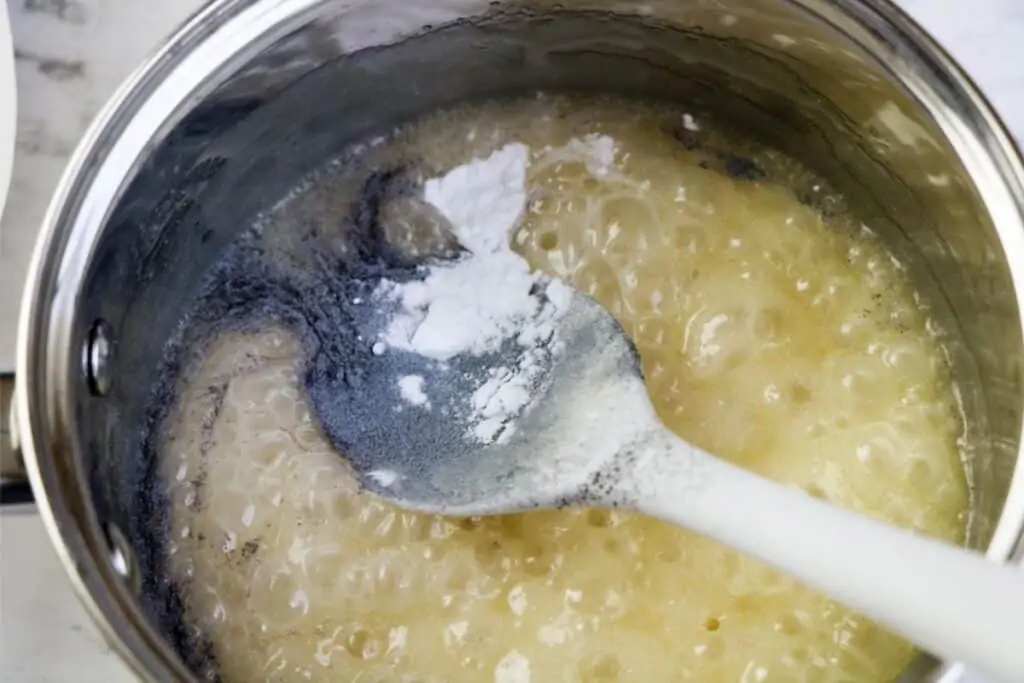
(790, 346)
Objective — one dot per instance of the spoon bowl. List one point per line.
(558, 450)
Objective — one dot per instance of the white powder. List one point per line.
(503, 394)
(597, 152)
(708, 345)
(230, 541)
(248, 514)
(517, 600)
(513, 668)
(383, 478)
(411, 389)
(484, 198)
(299, 601)
(397, 638)
(455, 632)
(475, 304)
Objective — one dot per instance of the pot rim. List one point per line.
(150, 101)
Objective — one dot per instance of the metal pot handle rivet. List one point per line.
(122, 557)
(97, 356)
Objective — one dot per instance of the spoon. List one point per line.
(591, 438)
(588, 436)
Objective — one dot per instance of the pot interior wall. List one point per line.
(766, 68)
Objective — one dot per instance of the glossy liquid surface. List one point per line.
(792, 347)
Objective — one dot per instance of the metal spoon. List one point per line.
(590, 437)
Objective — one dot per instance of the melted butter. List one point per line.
(792, 347)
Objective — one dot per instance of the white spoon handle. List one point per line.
(949, 601)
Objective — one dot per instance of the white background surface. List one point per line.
(71, 54)
(8, 110)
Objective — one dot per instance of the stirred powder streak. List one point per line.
(316, 298)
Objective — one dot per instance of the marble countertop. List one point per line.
(70, 55)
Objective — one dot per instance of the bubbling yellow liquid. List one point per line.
(795, 348)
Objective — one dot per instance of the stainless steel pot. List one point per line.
(249, 95)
